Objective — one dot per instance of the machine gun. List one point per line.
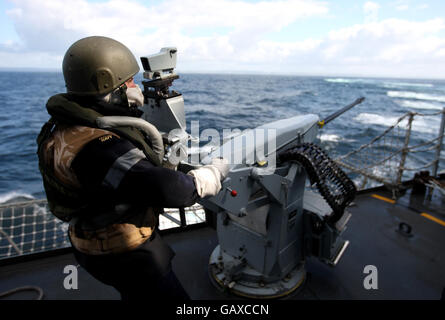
(268, 221)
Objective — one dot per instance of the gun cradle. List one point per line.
(266, 228)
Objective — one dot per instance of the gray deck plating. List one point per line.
(408, 267)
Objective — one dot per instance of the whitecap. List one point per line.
(326, 137)
(415, 95)
(343, 80)
(340, 80)
(329, 137)
(419, 104)
(420, 124)
(13, 195)
(407, 84)
(387, 171)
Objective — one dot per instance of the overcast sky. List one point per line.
(394, 38)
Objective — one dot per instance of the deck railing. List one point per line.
(29, 227)
(391, 156)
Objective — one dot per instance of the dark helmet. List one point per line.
(97, 65)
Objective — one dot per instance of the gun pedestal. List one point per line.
(260, 221)
(260, 252)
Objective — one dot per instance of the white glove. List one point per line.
(208, 178)
(222, 165)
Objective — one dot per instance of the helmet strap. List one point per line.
(123, 96)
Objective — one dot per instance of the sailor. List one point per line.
(102, 171)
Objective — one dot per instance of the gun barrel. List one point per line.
(341, 111)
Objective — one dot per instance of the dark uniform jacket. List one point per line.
(125, 185)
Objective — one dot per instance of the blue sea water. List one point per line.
(224, 101)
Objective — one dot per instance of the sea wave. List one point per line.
(420, 124)
(389, 170)
(326, 137)
(329, 137)
(13, 195)
(343, 80)
(407, 84)
(415, 95)
(419, 104)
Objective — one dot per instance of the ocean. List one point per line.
(223, 101)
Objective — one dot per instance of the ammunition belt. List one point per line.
(332, 183)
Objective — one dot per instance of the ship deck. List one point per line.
(409, 266)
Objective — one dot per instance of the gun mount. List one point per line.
(268, 220)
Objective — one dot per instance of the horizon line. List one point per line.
(225, 72)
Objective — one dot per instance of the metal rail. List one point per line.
(439, 144)
(28, 226)
(404, 151)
